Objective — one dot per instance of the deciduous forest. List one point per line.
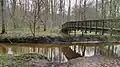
(32, 16)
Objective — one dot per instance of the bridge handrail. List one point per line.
(71, 23)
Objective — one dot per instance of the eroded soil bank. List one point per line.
(52, 39)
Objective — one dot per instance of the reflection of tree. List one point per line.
(107, 51)
(69, 53)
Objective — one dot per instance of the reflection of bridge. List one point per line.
(103, 26)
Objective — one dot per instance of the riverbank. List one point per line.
(48, 39)
(54, 39)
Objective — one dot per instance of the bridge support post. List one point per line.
(90, 26)
(75, 33)
(68, 33)
(85, 27)
(103, 27)
(111, 32)
(96, 27)
(81, 28)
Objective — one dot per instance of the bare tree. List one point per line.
(114, 9)
(80, 11)
(61, 7)
(69, 10)
(3, 19)
(13, 12)
(84, 10)
(97, 8)
(103, 10)
(64, 15)
(52, 9)
(75, 9)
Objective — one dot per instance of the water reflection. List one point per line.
(10, 52)
(61, 53)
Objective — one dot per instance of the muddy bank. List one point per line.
(31, 39)
(50, 39)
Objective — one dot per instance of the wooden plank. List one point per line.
(81, 25)
(111, 30)
(96, 24)
(90, 26)
(85, 27)
(103, 27)
(78, 24)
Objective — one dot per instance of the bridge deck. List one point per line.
(106, 25)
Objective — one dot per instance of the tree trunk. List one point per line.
(76, 10)
(80, 12)
(97, 9)
(52, 10)
(69, 53)
(3, 20)
(84, 13)
(69, 10)
(13, 13)
(103, 10)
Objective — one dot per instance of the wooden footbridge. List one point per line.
(101, 26)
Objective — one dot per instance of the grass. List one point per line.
(23, 32)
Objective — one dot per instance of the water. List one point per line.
(58, 53)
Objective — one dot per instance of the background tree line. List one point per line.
(34, 14)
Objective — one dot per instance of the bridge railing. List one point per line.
(83, 24)
(108, 23)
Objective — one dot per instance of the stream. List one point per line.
(61, 53)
